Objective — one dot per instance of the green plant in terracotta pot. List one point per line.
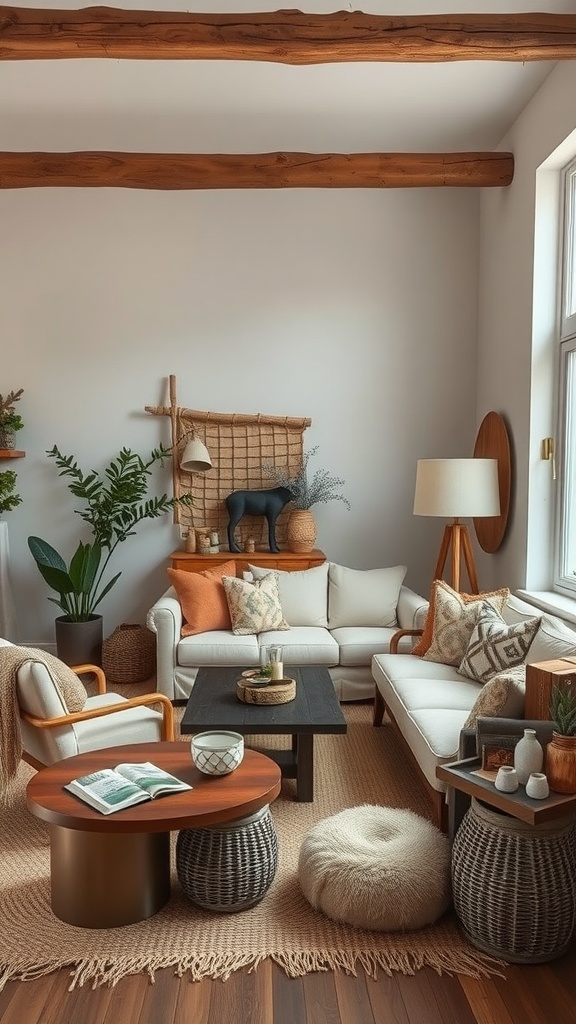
(561, 751)
(114, 503)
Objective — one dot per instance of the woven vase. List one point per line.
(301, 530)
(129, 654)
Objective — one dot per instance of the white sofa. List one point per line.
(430, 702)
(338, 617)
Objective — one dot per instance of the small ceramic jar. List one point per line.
(537, 786)
(506, 779)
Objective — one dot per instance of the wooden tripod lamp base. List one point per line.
(457, 538)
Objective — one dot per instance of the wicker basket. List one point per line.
(129, 654)
(513, 884)
(227, 868)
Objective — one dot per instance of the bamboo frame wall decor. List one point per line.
(239, 444)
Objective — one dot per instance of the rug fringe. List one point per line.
(295, 965)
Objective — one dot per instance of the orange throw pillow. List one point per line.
(425, 640)
(203, 598)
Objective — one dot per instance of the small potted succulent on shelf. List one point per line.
(561, 751)
(10, 420)
(304, 493)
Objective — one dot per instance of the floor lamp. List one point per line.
(455, 489)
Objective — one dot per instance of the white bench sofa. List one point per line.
(430, 702)
(337, 616)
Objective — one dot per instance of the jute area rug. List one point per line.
(366, 766)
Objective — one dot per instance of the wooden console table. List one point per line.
(284, 560)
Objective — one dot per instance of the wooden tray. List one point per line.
(280, 692)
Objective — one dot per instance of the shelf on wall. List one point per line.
(11, 453)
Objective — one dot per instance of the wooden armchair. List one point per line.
(50, 733)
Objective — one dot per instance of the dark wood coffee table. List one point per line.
(114, 869)
(213, 704)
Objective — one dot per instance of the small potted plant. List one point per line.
(8, 499)
(10, 420)
(114, 504)
(304, 493)
(561, 751)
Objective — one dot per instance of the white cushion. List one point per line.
(218, 647)
(363, 597)
(303, 594)
(358, 644)
(303, 645)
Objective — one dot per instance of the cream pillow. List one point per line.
(451, 619)
(501, 697)
(254, 607)
(303, 594)
(363, 597)
(495, 646)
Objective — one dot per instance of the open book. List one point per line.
(112, 789)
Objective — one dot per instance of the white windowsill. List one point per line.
(549, 601)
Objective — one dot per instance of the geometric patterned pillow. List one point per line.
(254, 607)
(495, 646)
(451, 619)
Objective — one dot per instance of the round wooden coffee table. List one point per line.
(108, 870)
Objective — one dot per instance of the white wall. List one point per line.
(516, 367)
(357, 308)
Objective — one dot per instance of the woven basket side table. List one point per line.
(227, 868)
(513, 884)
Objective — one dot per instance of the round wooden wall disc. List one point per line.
(492, 442)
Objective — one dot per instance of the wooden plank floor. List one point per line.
(535, 994)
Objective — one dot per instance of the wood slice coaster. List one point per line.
(280, 692)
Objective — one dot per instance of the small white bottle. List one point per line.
(528, 756)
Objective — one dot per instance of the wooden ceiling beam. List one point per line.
(286, 37)
(264, 170)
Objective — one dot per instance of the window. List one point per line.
(565, 575)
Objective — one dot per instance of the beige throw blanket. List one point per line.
(73, 694)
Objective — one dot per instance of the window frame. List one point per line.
(565, 531)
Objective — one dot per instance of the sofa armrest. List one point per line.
(165, 619)
(411, 609)
(397, 636)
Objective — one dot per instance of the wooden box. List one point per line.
(540, 678)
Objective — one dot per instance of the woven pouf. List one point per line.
(513, 884)
(228, 867)
(376, 868)
(129, 654)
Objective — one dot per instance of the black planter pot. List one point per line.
(79, 643)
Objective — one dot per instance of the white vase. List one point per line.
(528, 756)
(7, 611)
(537, 786)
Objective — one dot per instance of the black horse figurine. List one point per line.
(256, 503)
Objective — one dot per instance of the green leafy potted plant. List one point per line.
(115, 502)
(8, 499)
(305, 492)
(10, 420)
(561, 751)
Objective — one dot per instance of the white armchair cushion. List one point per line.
(303, 594)
(41, 694)
(363, 597)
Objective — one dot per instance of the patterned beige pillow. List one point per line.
(254, 607)
(501, 697)
(495, 646)
(453, 617)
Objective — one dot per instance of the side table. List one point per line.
(513, 868)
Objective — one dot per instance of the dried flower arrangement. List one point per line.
(304, 492)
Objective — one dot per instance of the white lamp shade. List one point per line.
(195, 458)
(455, 488)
